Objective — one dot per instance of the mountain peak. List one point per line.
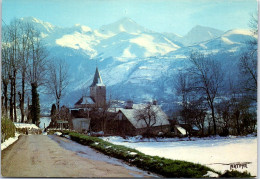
(125, 20)
(125, 24)
(201, 33)
(204, 28)
(31, 19)
(44, 27)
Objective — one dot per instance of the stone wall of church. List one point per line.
(98, 93)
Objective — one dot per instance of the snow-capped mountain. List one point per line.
(134, 62)
(121, 40)
(43, 27)
(123, 25)
(200, 33)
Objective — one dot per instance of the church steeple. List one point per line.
(98, 90)
(97, 79)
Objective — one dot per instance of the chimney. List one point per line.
(129, 104)
(154, 102)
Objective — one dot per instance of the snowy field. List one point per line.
(217, 153)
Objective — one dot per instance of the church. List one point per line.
(81, 112)
(92, 113)
(97, 96)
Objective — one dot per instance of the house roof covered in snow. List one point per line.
(25, 125)
(85, 100)
(131, 115)
(97, 81)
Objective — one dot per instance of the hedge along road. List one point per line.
(52, 156)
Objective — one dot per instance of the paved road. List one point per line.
(43, 156)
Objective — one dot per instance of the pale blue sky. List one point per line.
(177, 16)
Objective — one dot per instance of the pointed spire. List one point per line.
(97, 79)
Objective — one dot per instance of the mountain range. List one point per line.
(135, 63)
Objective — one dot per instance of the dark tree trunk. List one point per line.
(14, 103)
(2, 105)
(237, 114)
(11, 101)
(209, 128)
(28, 110)
(5, 84)
(35, 109)
(58, 105)
(214, 121)
(22, 98)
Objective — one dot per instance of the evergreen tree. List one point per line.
(53, 115)
(53, 110)
(35, 109)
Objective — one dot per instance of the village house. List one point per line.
(121, 119)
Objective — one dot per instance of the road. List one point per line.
(52, 156)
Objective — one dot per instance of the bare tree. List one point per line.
(248, 70)
(183, 89)
(101, 114)
(36, 70)
(24, 55)
(58, 80)
(224, 110)
(248, 63)
(207, 78)
(11, 40)
(147, 114)
(6, 68)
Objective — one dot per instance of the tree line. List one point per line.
(205, 102)
(27, 67)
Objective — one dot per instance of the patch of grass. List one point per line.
(7, 128)
(236, 174)
(159, 165)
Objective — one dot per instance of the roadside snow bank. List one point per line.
(25, 125)
(9, 141)
(58, 133)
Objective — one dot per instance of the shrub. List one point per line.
(7, 128)
(235, 174)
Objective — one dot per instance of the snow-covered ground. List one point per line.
(217, 153)
(9, 141)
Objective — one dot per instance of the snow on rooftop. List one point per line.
(100, 84)
(87, 100)
(130, 114)
(25, 125)
(181, 130)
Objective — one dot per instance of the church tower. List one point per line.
(98, 90)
